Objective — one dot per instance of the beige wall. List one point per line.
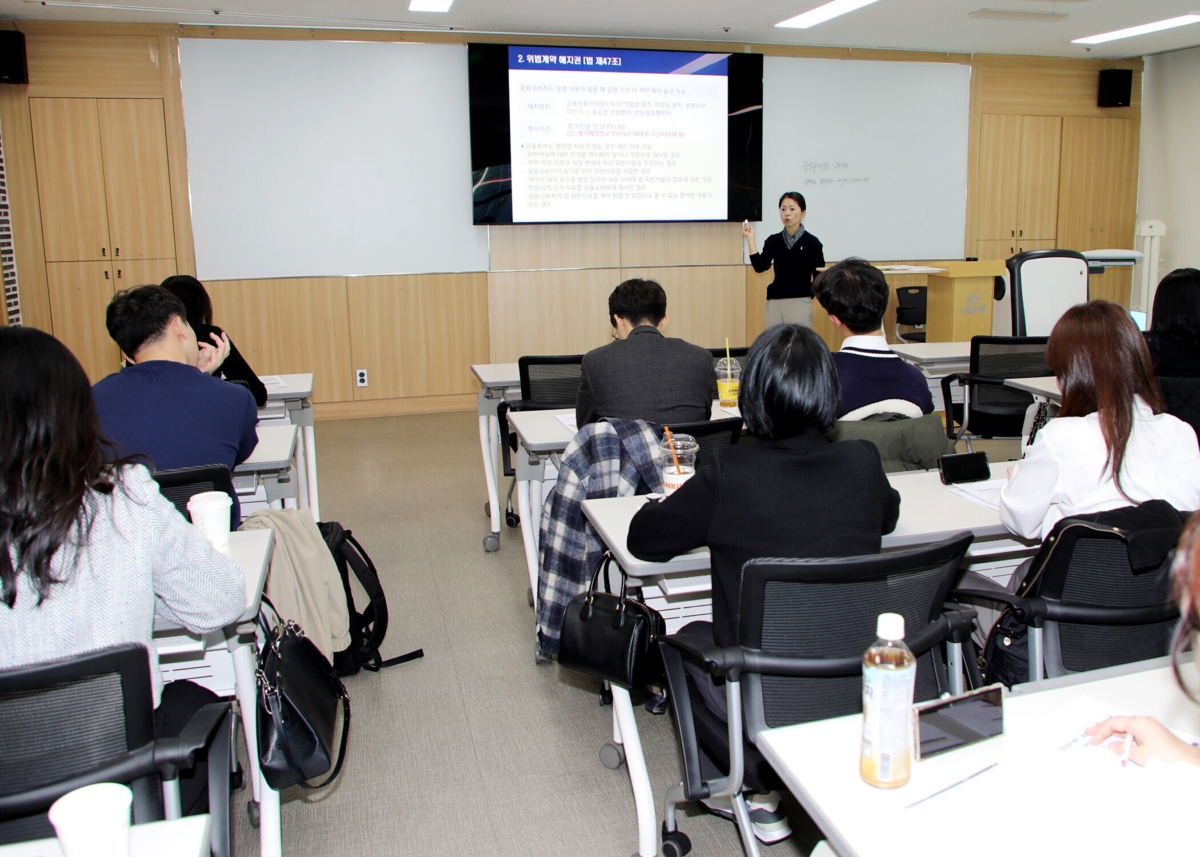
(547, 288)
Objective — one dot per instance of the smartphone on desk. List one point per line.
(964, 467)
(947, 724)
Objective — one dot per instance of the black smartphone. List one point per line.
(947, 724)
(964, 467)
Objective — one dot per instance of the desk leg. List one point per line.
(310, 460)
(489, 430)
(528, 534)
(270, 829)
(302, 498)
(643, 796)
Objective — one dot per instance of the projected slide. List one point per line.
(600, 135)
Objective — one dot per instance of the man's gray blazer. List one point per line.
(646, 376)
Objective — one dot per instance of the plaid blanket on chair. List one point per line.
(610, 458)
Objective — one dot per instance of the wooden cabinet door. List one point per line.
(70, 178)
(995, 248)
(1037, 190)
(141, 272)
(79, 296)
(999, 169)
(138, 183)
(1098, 183)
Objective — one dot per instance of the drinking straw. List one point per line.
(671, 446)
(728, 362)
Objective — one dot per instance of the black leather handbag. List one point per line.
(612, 637)
(298, 695)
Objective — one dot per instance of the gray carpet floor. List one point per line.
(473, 749)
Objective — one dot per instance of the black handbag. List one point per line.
(298, 695)
(612, 637)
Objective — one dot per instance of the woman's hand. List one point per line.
(748, 234)
(212, 356)
(1152, 740)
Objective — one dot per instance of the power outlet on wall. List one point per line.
(360, 377)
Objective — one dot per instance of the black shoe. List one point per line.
(657, 703)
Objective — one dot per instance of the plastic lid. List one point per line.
(890, 626)
(724, 364)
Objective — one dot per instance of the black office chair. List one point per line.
(711, 436)
(990, 409)
(1181, 398)
(718, 354)
(182, 483)
(911, 309)
(803, 625)
(90, 719)
(1098, 592)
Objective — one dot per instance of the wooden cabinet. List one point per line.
(128, 273)
(79, 295)
(1018, 180)
(1003, 248)
(137, 182)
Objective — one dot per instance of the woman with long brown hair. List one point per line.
(1111, 444)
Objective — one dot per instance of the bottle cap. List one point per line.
(890, 626)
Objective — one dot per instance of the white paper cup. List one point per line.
(210, 515)
(93, 821)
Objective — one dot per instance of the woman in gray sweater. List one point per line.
(91, 551)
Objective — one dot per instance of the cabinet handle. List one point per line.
(117, 252)
(1022, 236)
(1012, 233)
(106, 275)
(104, 252)
(118, 273)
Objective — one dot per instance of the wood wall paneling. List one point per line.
(137, 178)
(647, 245)
(704, 304)
(129, 273)
(1049, 86)
(85, 65)
(70, 178)
(1037, 187)
(533, 247)
(999, 165)
(79, 295)
(548, 312)
(756, 299)
(25, 208)
(181, 209)
(996, 248)
(418, 335)
(290, 325)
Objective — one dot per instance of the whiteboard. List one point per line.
(878, 149)
(311, 159)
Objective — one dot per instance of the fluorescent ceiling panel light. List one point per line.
(1018, 15)
(1140, 30)
(821, 14)
(430, 5)
(254, 18)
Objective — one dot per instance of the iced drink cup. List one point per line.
(679, 465)
(729, 374)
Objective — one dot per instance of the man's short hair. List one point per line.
(856, 292)
(140, 315)
(638, 302)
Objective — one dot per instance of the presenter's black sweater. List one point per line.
(794, 269)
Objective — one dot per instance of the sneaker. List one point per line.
(766, 816)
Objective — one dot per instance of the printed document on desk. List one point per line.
(984, 493)
(568, 420)
(272, 381)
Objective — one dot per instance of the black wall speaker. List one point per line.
(1116, 84)
(13, 68)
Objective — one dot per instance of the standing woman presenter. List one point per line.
(796, 255)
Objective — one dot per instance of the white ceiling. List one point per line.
(924, 25)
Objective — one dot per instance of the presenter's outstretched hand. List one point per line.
(212, 356)
(1152, 740)
(748, 234)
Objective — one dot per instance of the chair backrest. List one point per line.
(550, 380)
(1005, 357)
(1181, 398)
(711, 435)
(827, 608)
(1045, 284)
(182, 483)
(67, 717)
(911, 303)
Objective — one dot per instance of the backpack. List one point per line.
(368, 628)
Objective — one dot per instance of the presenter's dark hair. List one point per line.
(856, 292)
(52, 456)
(789, 384)
(194, 298)
(795, 196)
(140, 315)
(1177, 306)
(1102, 363)
(638, 302)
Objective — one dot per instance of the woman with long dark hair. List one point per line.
(90, 551)
(1111, 444)
(1174, 335)
(198, 304)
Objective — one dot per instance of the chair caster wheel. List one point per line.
(606, 696)
(612, 755)
(512, 519)
(487, 509)
(675, 843)
(253, 813)
(529, 595)
(491, 542)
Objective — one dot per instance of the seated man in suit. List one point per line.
(874, 378)
(643, 375)
(164, 404)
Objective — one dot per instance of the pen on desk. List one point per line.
(952, 785)
(1125, 751)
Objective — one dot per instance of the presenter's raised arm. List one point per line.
(748, 231)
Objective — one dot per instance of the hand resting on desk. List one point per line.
(1153, 740)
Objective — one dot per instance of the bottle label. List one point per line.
(887, 724)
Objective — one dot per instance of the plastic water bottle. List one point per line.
(889, 678)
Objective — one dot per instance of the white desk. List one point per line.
(494, 379)
(183, 837)
(1046, 389)
(271, 464)
(295, 395)
(1080, 803)
(208, 659)
(936, 360)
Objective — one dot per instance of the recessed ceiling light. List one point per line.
(430, 5)
(823, 13)
(1140, 30)
(1018, 15)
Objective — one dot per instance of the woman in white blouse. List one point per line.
(1111, 444)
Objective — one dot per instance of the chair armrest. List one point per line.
(172, 755)
(133, 765)
(947, 403)
(1027, 611)
(961, 620)
(685, 723)
(1089, 615)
